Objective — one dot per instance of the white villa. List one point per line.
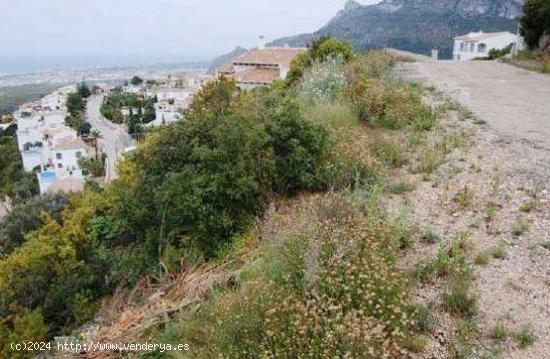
(260, 66)
(478, 44)
(49, 147)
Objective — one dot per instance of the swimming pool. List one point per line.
(47, 176)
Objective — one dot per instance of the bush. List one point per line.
(535, 21)
(299, 148)
(28, 216)
(321, 50)
(208, 176)
(390, 106)
(498, 53)
(324, 81)
(331, 291)
(525, 337)
(388, 153)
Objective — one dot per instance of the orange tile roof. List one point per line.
(281, 56)
(257, 75)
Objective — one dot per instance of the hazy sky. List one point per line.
(189, 28)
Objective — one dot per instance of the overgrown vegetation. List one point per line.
(192, 193)
(535, 21)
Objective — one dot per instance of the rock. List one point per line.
(544, 43)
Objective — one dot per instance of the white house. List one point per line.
(478, 44)
(49, 147)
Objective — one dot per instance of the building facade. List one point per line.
(261, 66)
(478, 44)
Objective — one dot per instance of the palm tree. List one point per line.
(95, 135)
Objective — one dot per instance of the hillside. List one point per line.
(416, 25)
(224, 59)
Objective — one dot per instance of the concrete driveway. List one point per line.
(513, 101)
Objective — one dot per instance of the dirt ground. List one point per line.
(515, 102)
(507, 166)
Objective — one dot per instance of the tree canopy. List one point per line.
(535, 22)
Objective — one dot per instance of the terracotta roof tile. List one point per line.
(281, 56)
(258, 75)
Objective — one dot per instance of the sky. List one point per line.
(154, 29)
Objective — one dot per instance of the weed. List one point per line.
(458, 301)
(499, 332)
(482, 258)
(388, 153)
(528, 207)
(416, 139)
(464, 197)
(490, 211)
(524, 337)
(498, 252)
(424, 319)
(400, 187)
(429, 161)
(416, 344)
(449, 261)
(431, 236)
(519, 228)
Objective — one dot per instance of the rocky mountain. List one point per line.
(225, 58)
(414, 25)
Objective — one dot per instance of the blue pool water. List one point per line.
(47, 176)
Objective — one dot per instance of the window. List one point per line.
(482, 48)
(60, 165)
(58, 156)
(461, 46)
(472, 47)
(78, 154)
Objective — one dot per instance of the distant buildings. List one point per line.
(478, 44)
(260, 66)
(173, 95)
(49, 147)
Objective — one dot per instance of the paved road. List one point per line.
(514, 102)
(115, 137)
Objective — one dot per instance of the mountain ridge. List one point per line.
(413, 25)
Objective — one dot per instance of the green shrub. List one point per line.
(498, 252)
(320, 50)
(431, 236)
(498, 53)
(464, 197)
(28, 216)
(535, 21)
(482, 258)
(388, 153)
(424, 319)
(299, 147)
(525, 337)
(400, 187)
(429, 161)
(499, 331)
(301, 292)
(458, 301)
(519, 228)
(324, 81)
